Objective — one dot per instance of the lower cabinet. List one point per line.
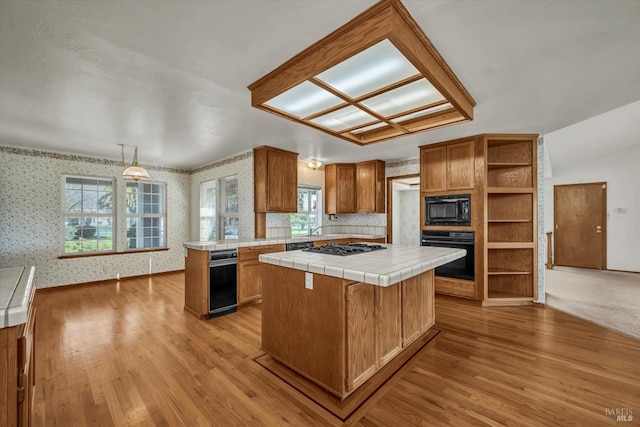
(418, 306)
(250, 272)
(17, 365)
(381, 321)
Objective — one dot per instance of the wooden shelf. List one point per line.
(510, 245)
(504, 271)
(507, 190)
(509, 220)
(506, 165)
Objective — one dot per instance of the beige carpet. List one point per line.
(607, 298)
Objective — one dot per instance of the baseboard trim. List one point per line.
(102, 282)
(623, 271)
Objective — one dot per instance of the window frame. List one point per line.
(140, 216)
(220, 213)
(319, 207)
(66, 214)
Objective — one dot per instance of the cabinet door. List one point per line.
(275, 181)
(433, 169)
(460, 166)
(361, 335)
(346, 188)
(388, 322)
(366, 187)
(418, 309)
(249, 281)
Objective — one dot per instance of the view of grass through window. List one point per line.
(89, 220)
(308, 217)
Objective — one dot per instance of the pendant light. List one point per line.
(134, 171)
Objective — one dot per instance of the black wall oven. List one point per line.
(448, 210)
(462, 268)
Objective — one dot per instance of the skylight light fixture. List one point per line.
(375, 78)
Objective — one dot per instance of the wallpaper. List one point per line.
(31, 225)
(408, 211)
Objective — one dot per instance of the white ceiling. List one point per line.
(172, 76)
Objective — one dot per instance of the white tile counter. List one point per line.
(231, 244)
(16, 292)
(383, 267)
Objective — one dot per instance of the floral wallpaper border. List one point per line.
(401, 163)
(100, 161)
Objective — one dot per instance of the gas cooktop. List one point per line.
(344, 249)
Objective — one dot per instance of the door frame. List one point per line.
(603, 186)
(390, 180)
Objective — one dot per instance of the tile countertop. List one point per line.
(383, 267)
(230, 244)
(16, 292)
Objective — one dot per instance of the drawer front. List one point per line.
(458, 288)
(252, 253)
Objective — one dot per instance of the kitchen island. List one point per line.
(337, 320)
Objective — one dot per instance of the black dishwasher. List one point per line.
(223, 288)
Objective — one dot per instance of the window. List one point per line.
(146, 217)
(309, 213)
(89, 218)
(219, 209)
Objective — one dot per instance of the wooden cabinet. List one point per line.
(337, 332)
(275, 180)
(196, 282)
(355, 187)
(361, 334)
(17, 372)
(447, 167)
(370, 191)
(250, 272)
(511, 224)
(340, 188)
(418, 310)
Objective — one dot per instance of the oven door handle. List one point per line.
(448, 242)
(222, 263)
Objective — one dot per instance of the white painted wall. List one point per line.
(31, 219)
(621, 171)
(407, 211)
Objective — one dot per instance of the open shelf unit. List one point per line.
(511, 219)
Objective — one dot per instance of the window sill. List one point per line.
(132, 251)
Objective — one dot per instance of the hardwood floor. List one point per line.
(127, 354)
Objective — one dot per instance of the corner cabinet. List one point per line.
(511, 224)
(447, 167)
(275, 180)
(355, 187)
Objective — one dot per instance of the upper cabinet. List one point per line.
(340, 188)
(275, 180)
(354, 187)
(447, 167)
(370, 187)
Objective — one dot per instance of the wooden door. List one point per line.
(388, 313)
(580, 212)
(346, 188)
(366, 187)
(361, 334)
(249, 281)
(460, 166)
(433, 169)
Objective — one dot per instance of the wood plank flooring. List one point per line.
(126, 354)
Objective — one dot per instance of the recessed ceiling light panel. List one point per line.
(344, 118)
(378, 66)
(375, 78)
(304, 100)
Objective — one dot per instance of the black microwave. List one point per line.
(447, 210)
